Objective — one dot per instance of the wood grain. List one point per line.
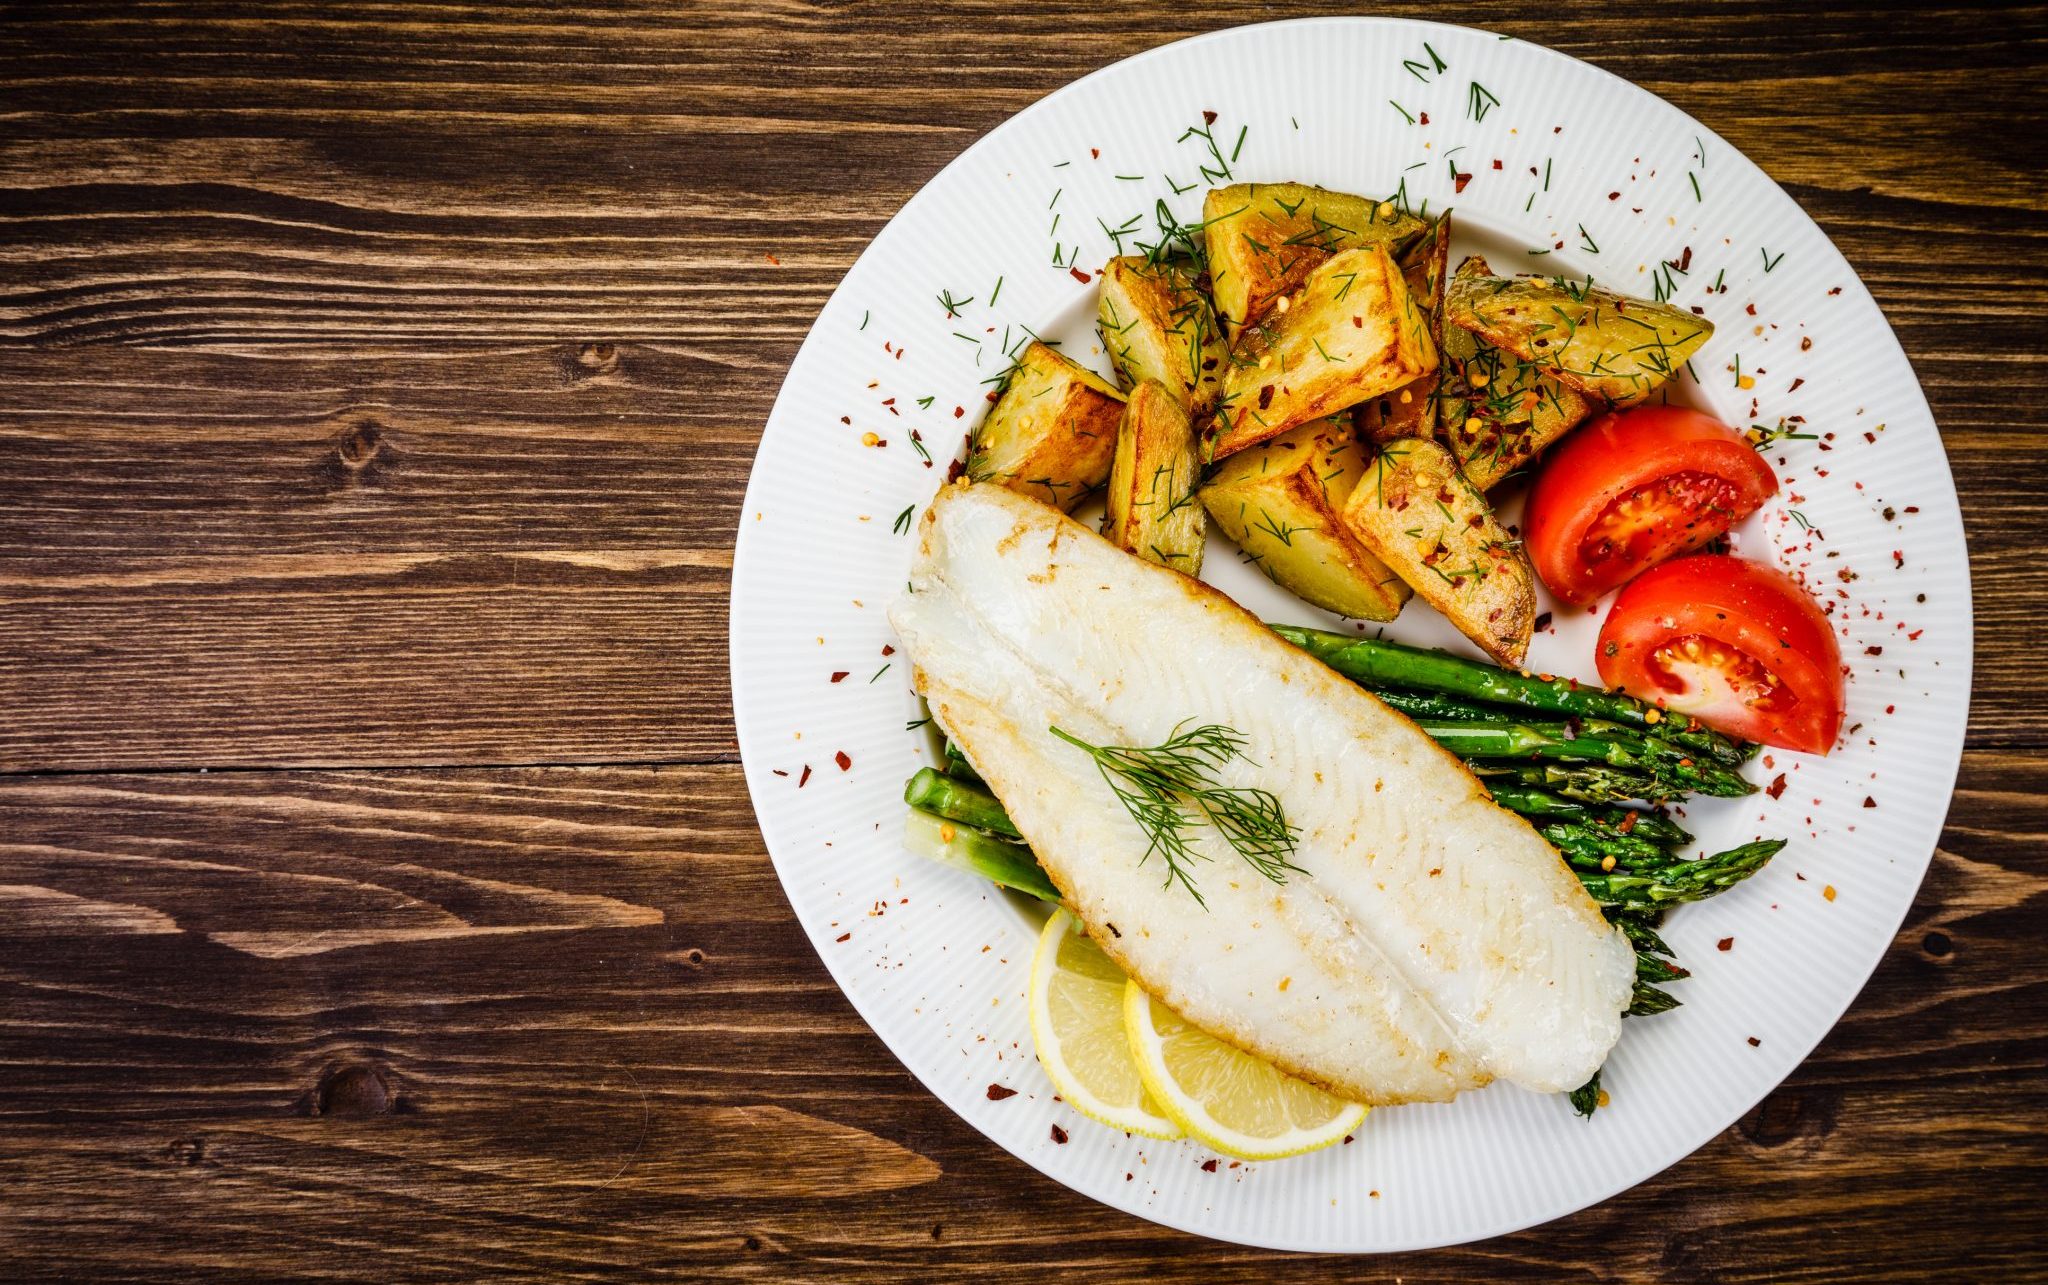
(360, 362)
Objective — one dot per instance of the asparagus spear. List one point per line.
(960, 801)
(1010, 864)
(957, 765)
(1529, 801)
(1640, 934)
(1667, 765)
(1653, 970)
(1377, 663)
(1649, 1001)
(1603, 851)
(1419, 705)
(1586, 1098)
(1586, 782)
(1687, 881)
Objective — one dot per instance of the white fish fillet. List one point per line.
(1431, 942)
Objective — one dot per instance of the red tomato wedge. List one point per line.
(1737, 644)
(1633, 489)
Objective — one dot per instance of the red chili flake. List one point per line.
(956, 470)
(778, 771)
(772, 259)
(1425, 118)
(1869, 802)
(1209, 1166)
(1754, 1041)
(1460, 180)
(1776, 789)
(846, 419)
(959, 411)
(843, 937)
(1898, 559)
(1094, 153)
(997, 1092)
(1496, 165)
(1698, 311)
(1915, 635)
(1685, 260)
(1912, 508)
(805, 778)
(1080, 276)
(839, 675)
(1059, 1135)
(1614, 196)
(887, 650)
(1750, 309)
(1836, 290)
(1795, 384)
(1208, 118)
(1873, 651)
(845, 763)
(1805, 342)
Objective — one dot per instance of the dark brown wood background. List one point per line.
(379, 897)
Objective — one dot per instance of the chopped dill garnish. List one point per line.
(1171, 788)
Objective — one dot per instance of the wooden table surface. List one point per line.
(381, 896)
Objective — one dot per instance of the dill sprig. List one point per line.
(1170, 789)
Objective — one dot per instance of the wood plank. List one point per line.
(557, 1023)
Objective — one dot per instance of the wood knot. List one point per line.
(1937, 945)
(355, 1090)
(358, 453)
(185, 1151)
(593, 361)
(358, 444)
(1790, 1116)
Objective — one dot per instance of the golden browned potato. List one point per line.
(1265, 238)
(1279, 502)
(1414, 509)
(1496, 411)
(1051, 434)
(1410, 411)
(1351, 333)
(1599, 342)
(1153, 511)
(1157, 325)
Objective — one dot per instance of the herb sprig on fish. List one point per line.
(1171, 789)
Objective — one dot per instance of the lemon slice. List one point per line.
(1225, 1097)
(1077, 1022)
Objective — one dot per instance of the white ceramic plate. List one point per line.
(1564, 157)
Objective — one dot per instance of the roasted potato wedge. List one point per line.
(1153, 511)
(1496, 411)
(1415, 511)
(1351, 333)
(1279, 501)
(1410, 411)
(1614, 348)
(1051, 434)
(1156, 324)
(1265, 238)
